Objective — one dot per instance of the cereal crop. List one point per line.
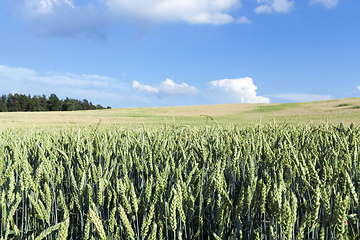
(274, 181)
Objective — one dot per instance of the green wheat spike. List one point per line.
(97, 222)
(126, 223)
(48, 231)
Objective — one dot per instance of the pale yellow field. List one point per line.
(293, 113)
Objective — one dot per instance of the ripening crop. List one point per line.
(178, 182)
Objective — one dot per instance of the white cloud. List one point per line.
(110, 92)
(144, 88)
(326, 3)
(169, 88)
(68, 18)
(243, 20)
(166, 88)
(282, 5)
(190, 11)
(46, 6)
(62, 18)
(302, 97)
(263, 9)
(27, 81)
(358, 88)
(240, 90)
(268, 6)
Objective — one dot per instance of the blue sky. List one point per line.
(149, 53)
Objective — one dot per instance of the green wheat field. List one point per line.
(238, 171)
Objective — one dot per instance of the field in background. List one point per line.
(334, 111)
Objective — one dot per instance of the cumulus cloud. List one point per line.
(240, 90)
(326, 3)
(169, 88)
(28, 76)
(62, 18)
(109, 91)
(243, 20)
(28, 81)
(269, 6)
(190, 11)
(302, 97)
(67, 18)
(166, 88)
(358, 88)
(144, 88)
(263, 9)
(46, 6)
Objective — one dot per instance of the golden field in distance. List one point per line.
(345, 110)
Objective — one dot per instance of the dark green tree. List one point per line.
(12, 103)
(53, 103)
(35, 103)
(92, 107)
(98, 106)
(43, 103)
(3, 107)
(24, 102)
(20, 102)
(70, 105)
(85, 104)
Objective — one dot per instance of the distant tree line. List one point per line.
(22, 103)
